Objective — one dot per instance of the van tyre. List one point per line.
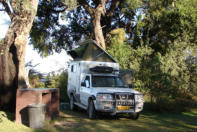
(135, 116)
(91, 110)
(72, 105)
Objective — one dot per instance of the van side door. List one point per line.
(85, 89)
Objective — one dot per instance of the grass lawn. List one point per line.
(78, 122)
(7, 124)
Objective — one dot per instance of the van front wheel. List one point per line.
(91, 110)
(135, 116)
(72, 105)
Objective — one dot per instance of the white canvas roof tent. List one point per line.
(89, 50)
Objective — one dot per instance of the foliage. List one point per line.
(34, 81)
(119, 50)
(71, 4)
(52, 80)
(74, 25)
(47, 35)
(169, 29)
(46, 21)
(160, 23)
(134, 4)
(191, 62)
(169, 79)
(59, 81)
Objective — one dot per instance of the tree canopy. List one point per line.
(80, 23)
(162, 53)
(162, 22)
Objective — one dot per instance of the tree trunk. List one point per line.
(96, 13)
(173, 3)
(12, 67)
(98, 32)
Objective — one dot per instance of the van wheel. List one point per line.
(72, 105)
(134, 116)
(91, 110)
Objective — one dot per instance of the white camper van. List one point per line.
(96, 87)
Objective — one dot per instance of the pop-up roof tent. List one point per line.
(89, 50)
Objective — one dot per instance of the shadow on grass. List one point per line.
(148, 121)
(186, 121)
(8, 115)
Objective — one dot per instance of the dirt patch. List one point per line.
(64, 124)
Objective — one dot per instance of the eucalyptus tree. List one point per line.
(12, 48)
(92, 19)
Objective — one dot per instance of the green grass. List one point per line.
(78, 122)
(8, 125)
(153, 122)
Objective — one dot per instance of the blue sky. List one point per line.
(47, 64)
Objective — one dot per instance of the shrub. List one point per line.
(59, 81)
(169, 79)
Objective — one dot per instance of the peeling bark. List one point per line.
(12, 68)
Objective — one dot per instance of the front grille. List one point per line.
(120, 99)
(108, 102)
(125, 99)
(124, 96)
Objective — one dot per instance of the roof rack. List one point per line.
(102, 69)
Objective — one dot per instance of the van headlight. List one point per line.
(139, 97)
(104, 97)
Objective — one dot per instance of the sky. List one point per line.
(46, 65)
(4, 23)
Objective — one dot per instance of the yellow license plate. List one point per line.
(123, 107)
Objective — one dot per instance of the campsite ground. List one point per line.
(78, 122)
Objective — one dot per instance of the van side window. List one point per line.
(73, 68)
(87, 80)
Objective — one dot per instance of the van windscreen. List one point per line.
(107, 81)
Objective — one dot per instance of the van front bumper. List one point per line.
(113, 108)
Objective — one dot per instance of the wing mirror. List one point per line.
(83, 84)
(130, 85)
(87, 83)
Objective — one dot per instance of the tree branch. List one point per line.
(58, 11)
(88, 8)
(114, 5)
(102, 3)
(96, 2)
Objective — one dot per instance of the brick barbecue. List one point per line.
(48, 96)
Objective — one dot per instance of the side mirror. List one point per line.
(126, 86)
(130, 85)
(87, 84)
(83, 84)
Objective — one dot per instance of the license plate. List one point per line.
(123, 107)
